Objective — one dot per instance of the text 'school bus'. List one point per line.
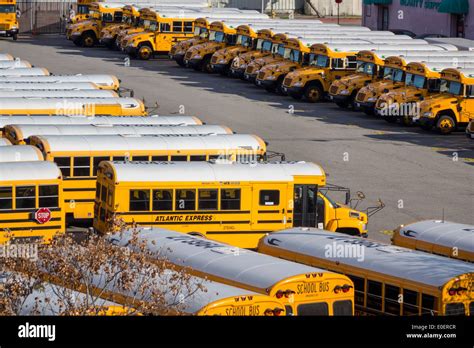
(48, 298)
(53, 86)
(233, 203)
(25, 72)
(93, 93)
(302, 289)
(14, 64)
(99, 120)
(437, 237)
(20, 153)
(31, 201)
(72, 106)
(388, 279)
(198, 296)
(102, 81)
(5, 142)
(19, 134)
(78, 157)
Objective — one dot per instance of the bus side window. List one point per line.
(410, 302)
(159, 158)
(359, 289)
(95, 163)
(119, 158)
(185, 199)
(177, 27)
(207, 199)
(162, 200)
(82, 166)
(428, 305)
(64, 164)
(231, 39)
(139, 200)
(6, 198)
(197, 158)
(374, 295)
(118, 16)
(269, 197)
(165, 28)
(433, 85)
(140, 158)
(342, 307)
(179, 158)
(338, 63)
(351, 62)
(470, 91)
(188, 27)
(48, 196)
(230, 199)
(25, 197)
(392, 306)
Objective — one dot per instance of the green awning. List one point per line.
(368, 2)
(454, 6)
(377, 2)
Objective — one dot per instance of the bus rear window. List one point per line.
(25, 197)
(48, 196)
(342, 307)
(320, 308)
(6, 198)
(455, 309)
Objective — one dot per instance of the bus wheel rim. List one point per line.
(88, 41)
(445, 124)
(313, 94)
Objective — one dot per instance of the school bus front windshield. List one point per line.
(244, 40)
(365, 68)
(263, 45)
(319, 60)
(216, 36)
(414, 80)
(451, 87)
(200, 31)
(152, 25)
(292, 54)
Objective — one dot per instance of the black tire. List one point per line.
(88, 40)
(446, 124)
(342, 105)
(15, 37)
(313, 93)
(406, 121)
(206, 65)
(296, 96)
(145, 52)
(180, 62)
(426, 127)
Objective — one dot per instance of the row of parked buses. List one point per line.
(395, 77)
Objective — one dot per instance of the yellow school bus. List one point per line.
(164, 30)
(72, 106)
(422, 79)
(453, 107)
(277, 52)
(369, 68)
(325, 65)
(130, 19)
(201, 33)
(222, 59)
(78, 157)
(31, 202)
(388, 280)
(235, 203)
(86, 33)
(271, 76)
(266, 45)
(439, 237)
(9, 26)
(199, 56)
(124, 35)
(302, 289)
(82, 12)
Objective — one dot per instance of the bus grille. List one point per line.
(249, 70)
(360, 96)
(470, 126)
(188, 55)
(333, 89)
(261, 75)
(214, 60)
(287, 82)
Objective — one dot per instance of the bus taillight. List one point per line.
(452, 291)
(279, 294)
(269, 313)
(337, 289)
(277, 311)
(346, 287)
(288, 293)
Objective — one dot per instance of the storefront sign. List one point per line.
(430, 5)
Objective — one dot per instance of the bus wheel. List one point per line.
(296, 96)
(180, 62)
(406, 121)
(87, 40)
(313, 93)
(446, 124)
(145, 52)
(197, 234)
(15, 37)
(206, 65)
(342, 105)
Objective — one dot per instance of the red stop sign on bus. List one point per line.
(43, 215)
(338, 1)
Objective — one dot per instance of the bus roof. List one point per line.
(33, 170)
(68, 104)
(119, 120)
(221, 260)
(59, 86)
(445, 233)
(212, 171)
(391, 260)
(93, 143)
(424, 67)
(98, 79)
(463, 72)
(24, 72)
(360, 47)
(20, 153)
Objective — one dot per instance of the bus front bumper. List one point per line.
(193, 63)
(9, 32)
(293, 90)
(108, 41)
(250, 77)
(219, 68)
(365, 105)
(131, 51)
(425, 121)
(237, 73)
(337, 98)
(266, 83)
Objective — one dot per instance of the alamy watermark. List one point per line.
(345, 251)
(27, 251)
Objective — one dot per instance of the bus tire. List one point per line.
(296, 96)
(15, 37)
(342, 105)
(87, 40)
(446, 124)
(197, 234)
(206, 65)
(279, 86)
(145, 52)
(313, 93)
(180, 62)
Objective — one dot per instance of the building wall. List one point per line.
(329, 8)
(418, 19)
(278, 5)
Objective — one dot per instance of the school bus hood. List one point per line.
(305, 72)
(247, 56)
(438, 100)
(353, 80)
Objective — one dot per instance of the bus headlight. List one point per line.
(372, 99)
(271, 77)
(344, 92)
(298, 84)
(222, 61)
(428, 114)
(197, 56)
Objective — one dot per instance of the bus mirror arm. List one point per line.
(124, 91)
(272, 154)
(373, 210)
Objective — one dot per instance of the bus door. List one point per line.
(307, 210)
